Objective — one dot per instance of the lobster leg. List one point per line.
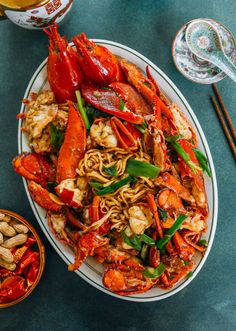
(127, 135)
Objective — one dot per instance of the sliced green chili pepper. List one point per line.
(111, 171)
(154, 272)
(137, 240)
(82, 110)
(163, 241)
(143, 169)
(114, 186)
(203, 161)
(179, 149)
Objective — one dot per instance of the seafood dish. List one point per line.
(116, 165)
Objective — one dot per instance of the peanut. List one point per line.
(8, 266)
(6, 255)
(7, 230)
(4, 217)
(7, 218)
(20, 228)
(1, 238)
(19, 239)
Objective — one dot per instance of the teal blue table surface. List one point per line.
(62, 300)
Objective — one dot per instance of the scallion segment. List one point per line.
(82, 110)
(154, 272)
(169, 234)
(57, 137)
(163, 214)
(122, 104)
(115, 186)
(189, 275)
(203, 161)
(144, 252)
(96, 185)
(111, 171)
(136, 241)
(202, 242)
(179, 149)
(142, 127)
(142, 169)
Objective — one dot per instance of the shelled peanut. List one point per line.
(19, 258)
(12, 234)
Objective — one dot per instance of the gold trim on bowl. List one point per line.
(41, 256)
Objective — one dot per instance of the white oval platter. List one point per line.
(91, 271)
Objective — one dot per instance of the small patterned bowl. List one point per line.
(41, 256)
(194, 68)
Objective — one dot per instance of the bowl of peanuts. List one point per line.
(22, 258)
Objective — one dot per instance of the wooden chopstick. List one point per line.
(224, 109)
(224, 126)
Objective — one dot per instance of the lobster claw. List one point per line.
(126, 134)
(73, 147)
(85, 247)
(64, 73)
(97, 62)
(34, 167)
(44, 198)
(147, 88)
(134, 101)
(107, 101)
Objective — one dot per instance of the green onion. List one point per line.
(115, 186)
(154, 272)
(93, 113)
(202, 242)
(147, 84)
(132, 242)
(122, 104)
(185, 262)
(189, 275)
(163, 214)
(142, 127)
(137, 240)
(203, 161)
(144, 252)
(147, 240)
(56, 136)
(173, 141)
(82, 110)
(143, 169)
(111, 171)
(163, 241)
(96, 185)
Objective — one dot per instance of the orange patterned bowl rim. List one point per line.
(41, 256)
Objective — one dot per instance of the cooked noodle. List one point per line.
(91, 166)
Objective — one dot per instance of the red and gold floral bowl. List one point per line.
(41, 251)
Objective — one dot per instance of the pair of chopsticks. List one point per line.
(224, 118)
